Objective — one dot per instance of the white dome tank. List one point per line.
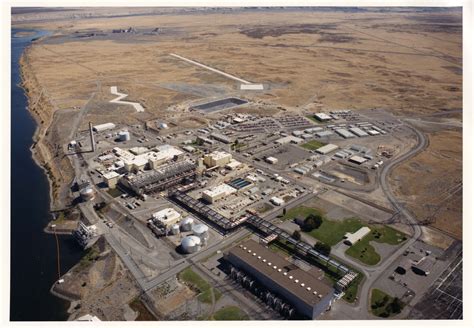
(87, 194)
(191, 244)
(187, 224)
(201, 231)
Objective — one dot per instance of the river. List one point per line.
(33, 260)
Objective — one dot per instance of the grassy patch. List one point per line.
(114, 192)
(300, 212)
(312, 145)
(332, 232)
(351, 291)
(202, 286)
(382, 304)
(92, 254)
(230, 313)
(366, 253)
(314, 119)
(143, 313)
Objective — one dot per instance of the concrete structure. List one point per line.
(271, 160)
(91, 132)
(217, 158)
(111, 178)
(222, 138)
(217, 193)
(103, 127)
(191, 244)
(277, 201)
(344, 133)
(124, 135)
(352, 238)
(289, 139)
(88, 317)
(154, 158)
(326, 149)
(252, 87)
(373, 132)
(323, 117)
(167, 217)
(309, 295)
(175, 229)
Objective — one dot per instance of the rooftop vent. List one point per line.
(296, 280)
(291, 277)
(259, 257)
(279, 270)
(308, 288)
(285, 273)
(275, 267)
(302, 284)
(254, 254)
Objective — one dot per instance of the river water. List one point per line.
(33, 262)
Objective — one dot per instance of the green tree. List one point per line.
(296, 235)
(322, 248)
(395, 306)
(312, 221)
(284, 211)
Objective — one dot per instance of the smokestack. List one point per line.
(92, 137)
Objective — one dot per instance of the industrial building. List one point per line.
(222, 138)
(352, 238)
(277, 201)
(358, 132)
(322, 117)
(233, 164)
(309, 295)
(326, 149)
(218, 192)
(103, 127)
(324, 134)
(344, 133)
(271, 160)
(156, 180)
(217, 158)
(166, 218)
(289, 139)
(111, 178)
(141, 157)
(357, 159)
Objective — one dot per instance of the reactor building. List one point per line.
(285, 283)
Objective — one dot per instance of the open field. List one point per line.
(439, 171)
(382, 304)
(230, 313)
(312, 145)
(194, 280)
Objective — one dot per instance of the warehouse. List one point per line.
(323, 117)
(277, 201)
(352, 238)
(326, 149)
(344, 133)
(218, 192)
(357, 160)
(271, 160)
(323, 134)
(103, 127)
(289, 139)
(358, 132)
(308, 294)
(222, 138)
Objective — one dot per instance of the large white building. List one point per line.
(352, 238)
(217, 158)
(154, 158)
(218, 192)
(167, 217)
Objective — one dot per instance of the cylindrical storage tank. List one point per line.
(87, 194)
(187, 224)
(201, 231)
(124, 135)
(191, 244)
(175, 229)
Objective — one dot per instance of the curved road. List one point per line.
(373, 274)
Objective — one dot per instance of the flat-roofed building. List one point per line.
(324, 134)
(111, 178)
(214, 194)
(352, 238)
(358, 132)
(357, 159)
(166, 217)
(308, 294)
(103, 127)
(289, 139)
(323, 117)
(217, 158)
(344, 133)
(326, 149)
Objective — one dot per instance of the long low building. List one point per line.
(326, 149)
(103, 127)
(217, 193)
(289, 139)
(352, 238)
(309, 295)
